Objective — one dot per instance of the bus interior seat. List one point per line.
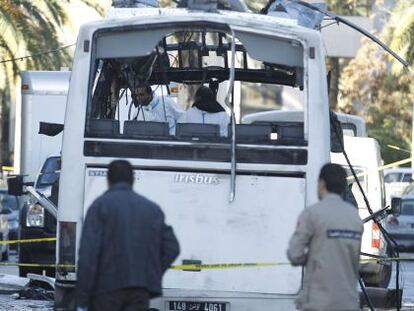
(252, 132)
(197, 130)
(103, 127)
(287, 132)
(290, 131)
(145, 128)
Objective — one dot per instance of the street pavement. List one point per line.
(406, 281)
(7, 302)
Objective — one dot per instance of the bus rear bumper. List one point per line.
(234, 301)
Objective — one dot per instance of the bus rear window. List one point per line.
(178, 92)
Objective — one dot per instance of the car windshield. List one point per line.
(392, 177)
(8, 201)
(406, 178)
(49, 173)
(353, 186)
(407, 208)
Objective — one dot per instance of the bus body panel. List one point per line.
(255, 228)
(364, 155)
(234, 300)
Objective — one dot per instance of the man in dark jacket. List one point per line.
(125, 247)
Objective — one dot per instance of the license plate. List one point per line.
(196, 306)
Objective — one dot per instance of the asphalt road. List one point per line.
(7, 302)
(406, 281)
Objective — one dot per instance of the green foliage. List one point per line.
(384, 97)
(350, 7)
(400, 32)
(30, 27)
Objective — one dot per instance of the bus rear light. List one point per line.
(375, 240)
(67, 247)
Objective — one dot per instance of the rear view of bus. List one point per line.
(232, 194)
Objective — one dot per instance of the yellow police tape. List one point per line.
(380, 168)
(28, 241)
(184, 267)
(36, 265)
(7, 168)
(196, 267)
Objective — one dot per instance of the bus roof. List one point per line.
(251, 22)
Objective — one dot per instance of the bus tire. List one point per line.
(385, 276)
(380, 279)
(5, 255)
(64, 297)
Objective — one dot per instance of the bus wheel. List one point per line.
(5, 255)
(380, 279)
(64, 296)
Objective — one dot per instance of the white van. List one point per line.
(365, 156)
(352, 125)
(397, 182)
(43, 99)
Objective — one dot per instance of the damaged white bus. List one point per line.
(230, 199)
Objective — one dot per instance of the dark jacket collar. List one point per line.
(120, 186)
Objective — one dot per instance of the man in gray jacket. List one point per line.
(125, 248)
(327, 241)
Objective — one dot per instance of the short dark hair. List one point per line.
(334, 176)
(120, 171)
(147, 88)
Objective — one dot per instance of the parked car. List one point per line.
(401, 226)
(396, 181)
(36, 222)
(402, 174)
(11, 204)
(4, 233)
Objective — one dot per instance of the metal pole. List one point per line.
(412, 127)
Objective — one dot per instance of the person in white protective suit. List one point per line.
(206, 110)
(147, 107)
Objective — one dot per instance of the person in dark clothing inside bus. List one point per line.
(125, 248)
(207, 110)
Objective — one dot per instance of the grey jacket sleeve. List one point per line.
(300, 240)
(89, 252)
(169, 246)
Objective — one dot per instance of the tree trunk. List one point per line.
(4, 129)
(334, 68)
